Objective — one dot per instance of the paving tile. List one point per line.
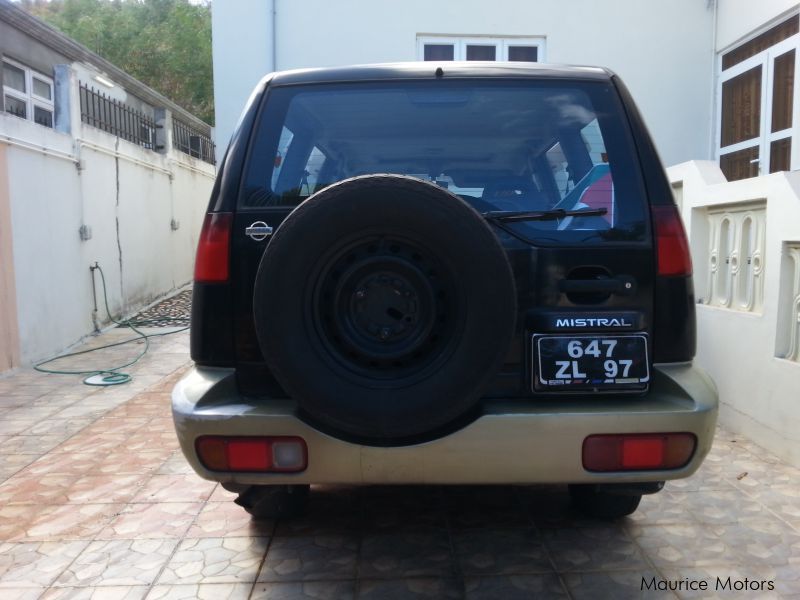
(663, 508)
(224, 519)
(406, 554)
(31, 444)
(66, 427)
(220, 494)
(175, 488)
(612, 584)
(323, 519)
(104, 488)
(143, 521)
(132, 463)
(147, 439)
(483, 552)
(35, 564)
(26, 411)
(118, 563)
(14, 519)
(87, 441)
(112, 592)
(133, 408)
(515, 587)
(719, 507)
(125, 426)
(26, 593)
(206, 591)
(310, 557)
(75, 464)
(592, 548)
(216, 560)
(177, 464)
(783, 500)
(761, 543)
(37, 490)
(80, 410)
(400, 589)
(66, 522)
(687, 545)
(10, 464)
(16, 426)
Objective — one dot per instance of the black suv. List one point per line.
(443, 274)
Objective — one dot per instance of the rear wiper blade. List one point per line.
(513, 216)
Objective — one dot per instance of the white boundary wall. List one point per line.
(127, 195)
(745, 238)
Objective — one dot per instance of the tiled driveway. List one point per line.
(96, 501)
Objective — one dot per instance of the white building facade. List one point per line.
(715, 82)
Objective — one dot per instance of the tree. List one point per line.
(166, 44)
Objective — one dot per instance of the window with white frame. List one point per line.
(27, 94)
(758, 133)
(446, 48)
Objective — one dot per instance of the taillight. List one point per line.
(281, 454)
(671, 242)
(638, 452)
(213, 249)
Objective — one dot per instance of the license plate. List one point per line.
(578, 362)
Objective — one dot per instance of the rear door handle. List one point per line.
(258, 231)
(622, 285)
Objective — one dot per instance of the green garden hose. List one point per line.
(110, 376)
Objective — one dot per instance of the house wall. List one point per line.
(748, 291)
(9, 334)
(127, 195)
(738, 19)
(663, 50)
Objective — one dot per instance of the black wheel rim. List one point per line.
(384, 308)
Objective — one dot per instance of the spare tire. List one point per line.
(384, 305)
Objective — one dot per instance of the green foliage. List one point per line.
(163, 43)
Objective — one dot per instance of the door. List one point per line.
(757, 107)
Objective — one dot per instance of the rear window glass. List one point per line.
(529, 145)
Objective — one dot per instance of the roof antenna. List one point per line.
(439, 72)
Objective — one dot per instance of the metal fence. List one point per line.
(115, 117)
(191, 141)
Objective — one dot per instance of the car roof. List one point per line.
(428, 70)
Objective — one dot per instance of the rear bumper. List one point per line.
(529, 441)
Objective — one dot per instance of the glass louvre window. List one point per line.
(16, 107)
(14, 77)
(42, 116)
(782, 92)
(740, 165)
(780, 153)
(475, 52)
(523, 53)
(439, 52)
(741, 107)
(42, 89)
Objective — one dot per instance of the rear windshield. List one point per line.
(523, 145)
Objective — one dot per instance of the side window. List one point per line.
(311, 174)
(560, 167)
(283, 148)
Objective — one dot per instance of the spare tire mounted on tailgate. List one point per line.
(384, 305)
